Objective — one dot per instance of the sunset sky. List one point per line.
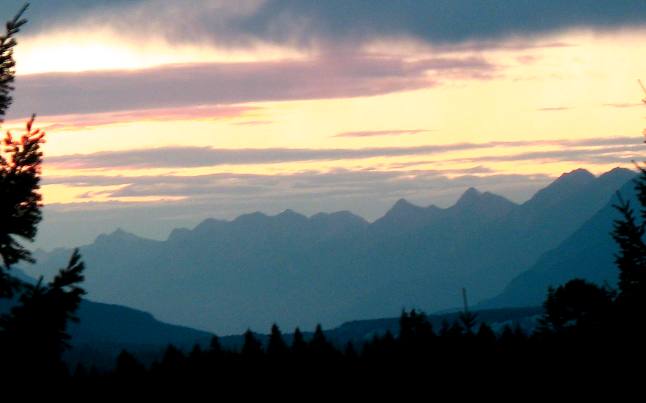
(162, 113)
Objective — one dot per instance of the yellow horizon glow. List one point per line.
(74, 51)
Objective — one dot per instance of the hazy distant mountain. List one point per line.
(226, 276)
(588, 253)
(104, 330)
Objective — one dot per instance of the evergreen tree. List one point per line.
(276, 347)
(215, 347)
(128, 367)
(173, 361)
(468, 321)
(298, 343)
(350, 352)
(36, 329)
(467, 318)
(33, 335)
(486, 337)
(20, 162)
(319, 346)
(579, 305)
(414, 329)
(445, 327)
(628, 233)
(251, 348)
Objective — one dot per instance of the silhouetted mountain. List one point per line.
(227, 276)
(588, 253)
(404, 216)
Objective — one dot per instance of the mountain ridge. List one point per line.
(330, 268)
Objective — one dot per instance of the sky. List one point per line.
(162, 113)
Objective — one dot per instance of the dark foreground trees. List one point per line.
(629, 233)
(33, 316)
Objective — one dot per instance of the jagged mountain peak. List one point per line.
(344, 215)
(578, 176)
(403, 206)
(290, 214)
(118, 235)
(565, 186)
(618, 173)
(470, 196)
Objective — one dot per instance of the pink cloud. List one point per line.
(373, 133)
(175, 86)
(83, 121)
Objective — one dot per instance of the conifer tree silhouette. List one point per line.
(251, 348)
(20, 161)
(276, 346)
(128, 368)
(486, 337)
(298, 346)
(578, 304)
(319, 346)
(36, 328)
(628, 233)
(33, 335)
(215, 347)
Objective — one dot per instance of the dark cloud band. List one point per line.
(315, 21)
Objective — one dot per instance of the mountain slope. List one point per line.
(227, 276)
(588, 253)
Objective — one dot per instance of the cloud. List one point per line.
(612, 154)
(437, 20)
(374, 133)
(229, 195)
(170, 86)
(254, 123)
(301, 188)
(622, 105)
(306, 22)
(554, 109)
(178, 157)
(212, 112)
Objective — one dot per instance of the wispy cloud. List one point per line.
(554, 109)
(375, 133)
(301, 186)
(84, 121)
(624, 105)
(188, 200)
(254, 123)
(611, 154)
(177, 157)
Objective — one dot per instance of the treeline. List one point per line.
(567, 342)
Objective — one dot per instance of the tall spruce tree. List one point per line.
(20, 161)
(276, 347)
(33, 334)
(631, 259)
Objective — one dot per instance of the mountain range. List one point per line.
(227, 276)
